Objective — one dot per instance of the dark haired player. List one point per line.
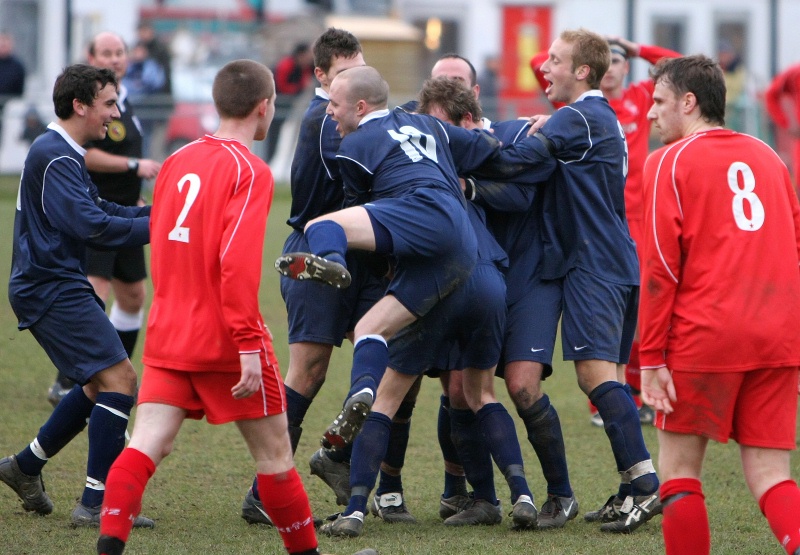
(514, 215)
(60, 212)
(720, 348)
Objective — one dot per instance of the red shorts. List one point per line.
(757, 408)
(209, 393)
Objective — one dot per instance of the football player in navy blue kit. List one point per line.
(589, 252)
(401, 166)
(316, 187)
(514, 213)
(59, 212)
(117, 167)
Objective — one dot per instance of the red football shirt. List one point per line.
(720, 278)
(210, 206)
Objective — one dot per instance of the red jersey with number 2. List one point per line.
(210, 206)
(720, 278)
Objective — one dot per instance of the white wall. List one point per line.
(481, 23)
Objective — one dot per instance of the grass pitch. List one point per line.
(196, 494)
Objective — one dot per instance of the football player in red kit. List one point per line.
(209, 217)
(719, 300)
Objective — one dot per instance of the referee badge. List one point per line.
(117, 131)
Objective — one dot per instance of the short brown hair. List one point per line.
(589, 49)
(451, 95)
(699, 75)
(239, 86)
(80, 82)
(334, 43)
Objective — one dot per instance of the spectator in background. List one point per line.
(489, 81)
(145, 78)
(12, 73)
(292, 76)
(735, 83)
(33, 125)
(159, 102)
(145, 74)
(160, 52)
(782, 99)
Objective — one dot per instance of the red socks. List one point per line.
(781, 506)
(285, 501)
(125, 485)
(685, 525)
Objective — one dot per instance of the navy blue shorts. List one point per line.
(471, 319)
(532, 326)
(433, 242)
(126, 265)
(77, 335)
(599, 318)
(319, 313)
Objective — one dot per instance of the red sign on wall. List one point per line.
(526, 32)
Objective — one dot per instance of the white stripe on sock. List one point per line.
(37, 450)
(96, 485)
(113, 411)
(374, 336)
(125, 321)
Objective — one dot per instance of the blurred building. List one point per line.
(403, 38)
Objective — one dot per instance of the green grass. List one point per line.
(196, 494)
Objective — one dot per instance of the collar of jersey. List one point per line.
(373, 115)
(61, 131)
(587, 94)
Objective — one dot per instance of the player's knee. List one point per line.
(130, 296)
(119, 378)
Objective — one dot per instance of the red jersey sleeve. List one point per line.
(654, 53)
(240, 256)
(772, 101)
(661, 253)
(783, 91)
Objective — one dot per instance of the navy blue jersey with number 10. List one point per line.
(393, 153)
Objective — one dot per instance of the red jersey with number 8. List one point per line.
(720, 278)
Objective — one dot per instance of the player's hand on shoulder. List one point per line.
(658, 389)
(250, 381)
(148, 169)
(536, 122)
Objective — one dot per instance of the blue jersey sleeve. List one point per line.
(72, 208)
(357, 182)
(569, 134)
(504, 197)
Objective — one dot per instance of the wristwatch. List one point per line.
(133, 164)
